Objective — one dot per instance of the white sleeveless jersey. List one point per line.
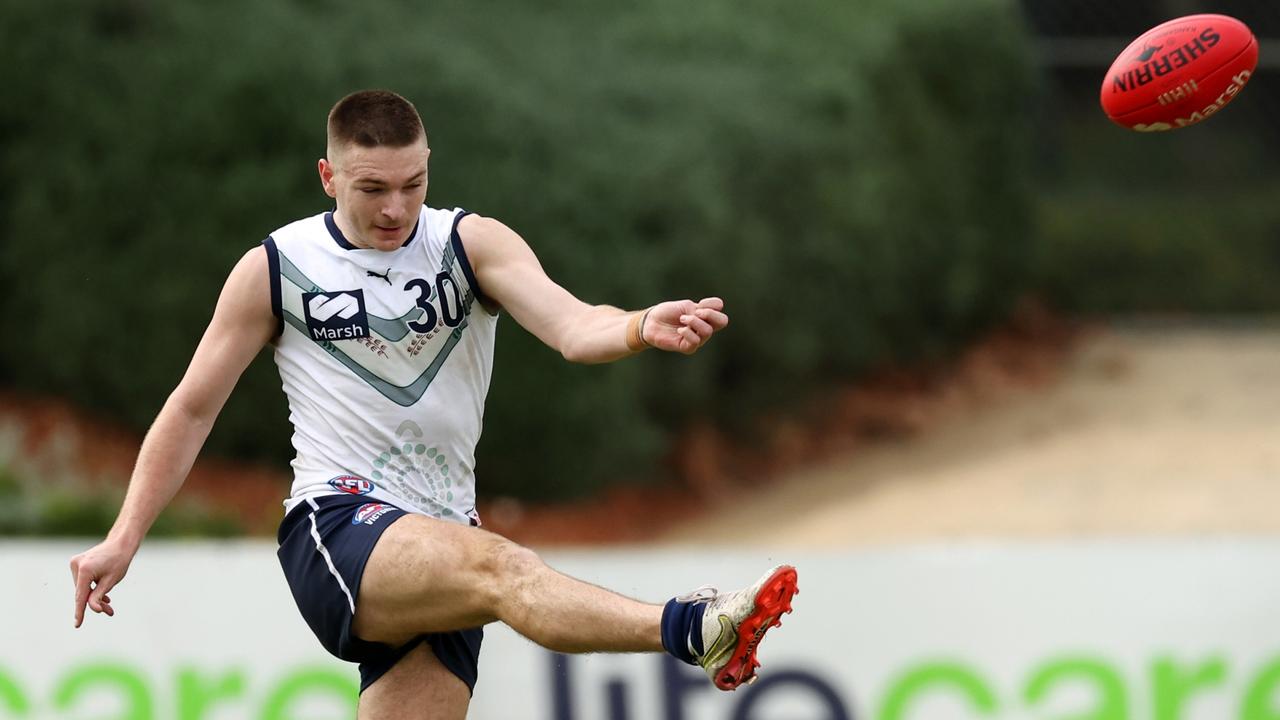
(385, 358)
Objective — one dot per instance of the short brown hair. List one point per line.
(374, 118)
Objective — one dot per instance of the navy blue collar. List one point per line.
(345, 244)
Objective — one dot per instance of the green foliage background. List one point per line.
(1174, 223)
(846, 175)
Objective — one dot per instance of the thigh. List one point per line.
(425, 576)
(418, 687)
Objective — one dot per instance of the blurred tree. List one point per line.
(851, 177)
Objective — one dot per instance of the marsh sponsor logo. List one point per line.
(1237, 84)
(336, 315)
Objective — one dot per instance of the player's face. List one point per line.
(378, 191)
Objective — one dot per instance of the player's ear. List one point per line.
(326, 177)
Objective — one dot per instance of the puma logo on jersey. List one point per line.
(385, 276)
(336, 315)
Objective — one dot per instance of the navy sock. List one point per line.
(682, 627)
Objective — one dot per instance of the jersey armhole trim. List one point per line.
(461, 253)
(273, 271)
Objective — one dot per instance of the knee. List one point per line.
(509, 565)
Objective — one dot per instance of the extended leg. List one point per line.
(425, 575)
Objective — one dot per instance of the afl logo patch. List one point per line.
(369, 513)
(351, 485)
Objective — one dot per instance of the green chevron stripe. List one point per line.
(403, 396)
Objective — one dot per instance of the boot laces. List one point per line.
(706, 593)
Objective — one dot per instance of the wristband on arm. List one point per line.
(635, 331)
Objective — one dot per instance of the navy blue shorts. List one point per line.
(324, 545)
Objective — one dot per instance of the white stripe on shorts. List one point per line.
(324, 552)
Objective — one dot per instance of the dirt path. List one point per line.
(1153, 429)
(1144, 430)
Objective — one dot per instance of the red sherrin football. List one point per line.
(1179, 73)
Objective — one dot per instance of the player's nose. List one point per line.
(393, 211)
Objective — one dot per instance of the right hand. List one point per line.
(683, 326)
(94, 572)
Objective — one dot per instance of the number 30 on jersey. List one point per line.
(451, 309)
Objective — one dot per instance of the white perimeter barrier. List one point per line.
(1105, 630)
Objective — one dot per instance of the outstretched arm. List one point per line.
(242, 323)
(510, 274)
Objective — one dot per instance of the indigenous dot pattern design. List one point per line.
(422, 465)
